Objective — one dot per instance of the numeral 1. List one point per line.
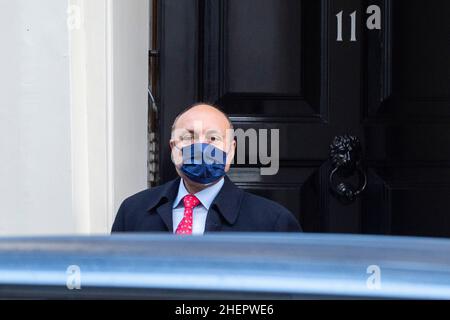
(339, 26)
(353, 35)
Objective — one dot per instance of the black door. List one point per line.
(279, 64)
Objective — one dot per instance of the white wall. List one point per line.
(35, 170)
(73, 110)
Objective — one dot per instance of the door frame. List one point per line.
(109, 83)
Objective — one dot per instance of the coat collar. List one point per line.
(227, 202)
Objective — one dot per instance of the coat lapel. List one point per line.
(213, 220)
(163, 201)
(225, 207)
(165, 212)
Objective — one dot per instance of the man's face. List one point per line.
(202, 124)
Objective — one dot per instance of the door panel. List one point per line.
(275, 60)
(257, 55)
(406, 120)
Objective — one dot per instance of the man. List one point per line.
(203, 199)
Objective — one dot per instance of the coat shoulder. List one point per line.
(140, 198)
(135, 207)
(261, 203)
(282, 218)
(149, 196)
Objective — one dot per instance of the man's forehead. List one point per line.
(199, 126)
(203, 118)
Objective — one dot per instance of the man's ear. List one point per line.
(232, 151)
(233, 147)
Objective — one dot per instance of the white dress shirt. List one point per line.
(206, 197)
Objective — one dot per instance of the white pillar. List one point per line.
(109, 81)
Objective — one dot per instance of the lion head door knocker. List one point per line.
(345, 155)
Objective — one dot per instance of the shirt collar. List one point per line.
(227, 202)
(206, 196)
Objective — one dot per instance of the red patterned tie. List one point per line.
(185, 226)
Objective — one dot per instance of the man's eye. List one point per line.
(187, 137)
(215, 138)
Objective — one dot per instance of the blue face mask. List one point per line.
(203, 163)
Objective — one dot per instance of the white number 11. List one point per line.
(339, 26)
(373, 22)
